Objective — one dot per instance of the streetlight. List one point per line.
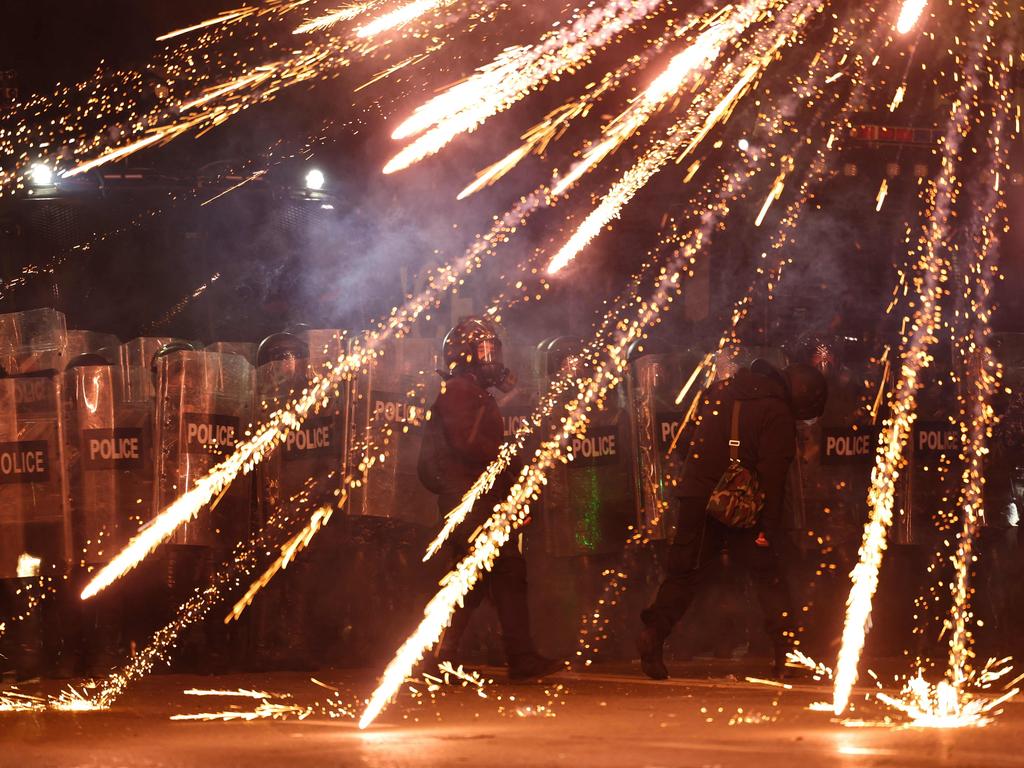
(41, 175)
(315, 180)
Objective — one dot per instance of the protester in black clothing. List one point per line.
(772, 402)
(461, 439)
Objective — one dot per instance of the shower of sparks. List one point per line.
(264, 711)
(289, 550)
(328, 20)
(12, 701)
(574, 418)
(280, 424)
(634, 179)
(724, 56)
(944, 705)
(700, 54)
(932, 274)
(241, 693)
(400, 16)
(512, 75)
(910, 12)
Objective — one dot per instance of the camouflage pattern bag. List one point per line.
(737, 499)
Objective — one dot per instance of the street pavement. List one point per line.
(707, 716)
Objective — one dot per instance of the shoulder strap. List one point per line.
(734, 435)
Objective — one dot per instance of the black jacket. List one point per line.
(767, 437)
(462, 437)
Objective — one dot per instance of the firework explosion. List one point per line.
(708, 66)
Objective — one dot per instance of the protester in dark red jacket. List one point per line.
(461, 439)
(771, 403)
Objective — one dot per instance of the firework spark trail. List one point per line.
(401, 16)
(712, 106)
(697, 56)
(511, 448)
(537, 139)
(288, 551)
(932, 269)
(982, 372)
(513, 74)
(910, 12)
(506, 454)
(275, 430)
(278, 7)
(195, 609)
(328, 20)
(77, 123)
(509, 515)
(644, 170)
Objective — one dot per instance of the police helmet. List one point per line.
(473, 345)
(808, 390)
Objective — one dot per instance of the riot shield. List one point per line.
(31, 467)
(827, 492)
(243, 349)
(136, 358)
(305, 472)
(81, 342)
(204, 401)
(108, 460)
(654, 383)
(12, 515)
(325, 346)
(590, 502)
(388, 404)
(932, 455)
(33, 341)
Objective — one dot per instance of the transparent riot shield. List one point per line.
(136, 358)
(590, 502)
(12, 514)
(388, 404)
(654, 383)
(244, 349)
(108, 460)
(932, 456)
(203, 404)
(518, 405)
(33, 341)
(325, 346)
(31, 467)
(82, 342)
(305, 472)
(827, 492)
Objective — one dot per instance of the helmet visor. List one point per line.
(489, 351)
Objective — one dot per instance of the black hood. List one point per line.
(759, 381)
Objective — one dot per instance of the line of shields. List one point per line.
(95, 435)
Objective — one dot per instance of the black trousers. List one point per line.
(699, 540)
(505, 585)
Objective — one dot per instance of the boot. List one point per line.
(651, 647)
(532, 666)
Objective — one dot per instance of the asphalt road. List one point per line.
(707, 716)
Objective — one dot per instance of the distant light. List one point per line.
(743, 144)
(327, 207)
(41, 175)
(315, 180)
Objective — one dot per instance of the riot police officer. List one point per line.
(461, 438)
(761, 433)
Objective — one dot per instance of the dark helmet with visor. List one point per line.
(474, 346)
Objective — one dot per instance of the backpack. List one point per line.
(737, 499)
